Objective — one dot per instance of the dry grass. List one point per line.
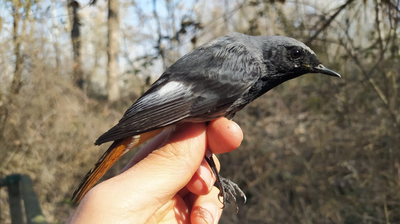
(49, 135)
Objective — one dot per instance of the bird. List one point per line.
(215, 80)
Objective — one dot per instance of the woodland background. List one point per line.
(316, 149)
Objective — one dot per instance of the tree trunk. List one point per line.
(56, 33)
(19, 60)
(113, 51)
(73, 7)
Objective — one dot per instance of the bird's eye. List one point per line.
(294, 53)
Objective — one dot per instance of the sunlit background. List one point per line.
(316, 149)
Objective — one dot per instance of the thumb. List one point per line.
(155, 179)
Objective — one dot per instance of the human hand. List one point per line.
(167, 181)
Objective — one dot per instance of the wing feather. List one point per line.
(151, 117)
(200, 86)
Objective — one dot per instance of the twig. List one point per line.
(328, 22)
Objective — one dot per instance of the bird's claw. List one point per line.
(227, 188)
(229, 191)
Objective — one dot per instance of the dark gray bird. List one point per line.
(215, 80)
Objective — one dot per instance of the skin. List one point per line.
(167, 181)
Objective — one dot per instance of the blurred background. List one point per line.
(316, 149)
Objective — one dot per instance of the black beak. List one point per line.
(326, 71)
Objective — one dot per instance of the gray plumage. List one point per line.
(217, 79)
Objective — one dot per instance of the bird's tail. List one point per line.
(113, 153)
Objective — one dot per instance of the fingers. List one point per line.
(151, 183)
(203, 180)
(223, 135)
(206, 208)
(172, 166)
(171, 163)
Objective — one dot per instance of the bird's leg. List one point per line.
(227, 188)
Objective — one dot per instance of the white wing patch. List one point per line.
(169, 87)
(170, 91)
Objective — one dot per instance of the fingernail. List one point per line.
(207, 214)
(205, 173)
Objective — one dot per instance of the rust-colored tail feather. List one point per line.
(107, 160)
(113, 153)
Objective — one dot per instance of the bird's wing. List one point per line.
(152, 111)
(199, 87)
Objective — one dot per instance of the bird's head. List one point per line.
(286, 58)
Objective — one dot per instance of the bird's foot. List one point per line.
(227, 188)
